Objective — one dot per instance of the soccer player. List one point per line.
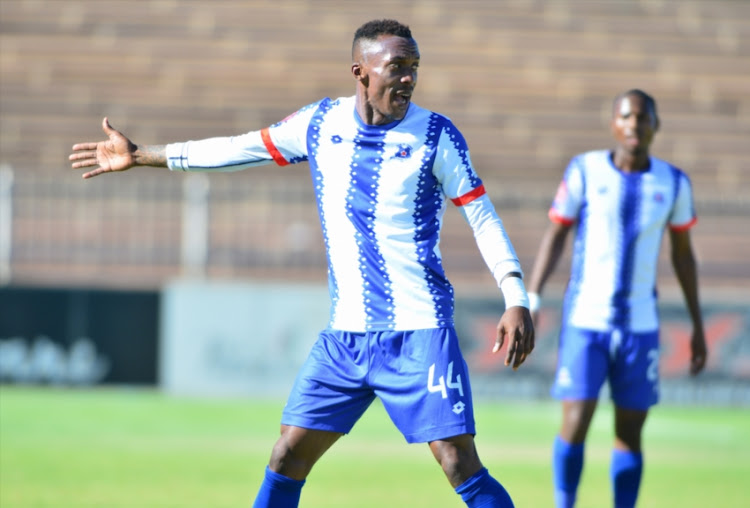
(620, 202)
(383, 170)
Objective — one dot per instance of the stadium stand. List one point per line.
(529, 82)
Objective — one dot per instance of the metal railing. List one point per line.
(146, 226)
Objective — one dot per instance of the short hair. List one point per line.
(377, 27)
(650, 102)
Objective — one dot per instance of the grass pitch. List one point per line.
(133, 448)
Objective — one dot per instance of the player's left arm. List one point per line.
(681, 220)
(461, 184)
(686, 271)
(515, 326)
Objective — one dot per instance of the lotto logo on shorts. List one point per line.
(563, 377)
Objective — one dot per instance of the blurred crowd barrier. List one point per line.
(249, 339)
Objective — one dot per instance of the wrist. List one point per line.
(514, 292)
(150, 155)
(535, 302)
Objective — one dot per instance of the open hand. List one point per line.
(114, 154)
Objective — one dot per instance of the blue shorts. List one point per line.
(420, 376)
(629, 361)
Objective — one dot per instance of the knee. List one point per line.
(298, 449)
(629, 428)
(576, 419)
(628, 439)
(289, 462)
(574, 428)
(458, 458)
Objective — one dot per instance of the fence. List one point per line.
(142, 228)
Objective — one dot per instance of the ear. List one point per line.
(358, 72)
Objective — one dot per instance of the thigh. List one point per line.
(582, 364)
(423, 381)
(634, 379)
(330, 392)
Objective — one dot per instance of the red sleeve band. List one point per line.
(469, 196)
(272, 150)
(556, 217)
(684, 227)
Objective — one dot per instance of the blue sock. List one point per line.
(278, 491)
(625, 473)
(567, 464)
(482, 490)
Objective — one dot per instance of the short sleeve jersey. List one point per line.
(620, 220)
(381, 194)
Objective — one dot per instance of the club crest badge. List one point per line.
(403, 152)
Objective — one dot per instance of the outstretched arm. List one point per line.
(548, 255)
(685, 269)
(117, 153)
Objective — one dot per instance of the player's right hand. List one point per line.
(114, 154)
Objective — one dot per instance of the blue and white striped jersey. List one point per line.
(620, 218)
(381, 193)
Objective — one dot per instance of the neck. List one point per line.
(629, 162)
(364, 110)
(368, 114)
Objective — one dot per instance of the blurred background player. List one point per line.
(620, 202)
(383, 169)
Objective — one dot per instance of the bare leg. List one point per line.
(626, 467)
(628, 428)
(576, 419)
(568, 450)
(458, 457)
(298, 449)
